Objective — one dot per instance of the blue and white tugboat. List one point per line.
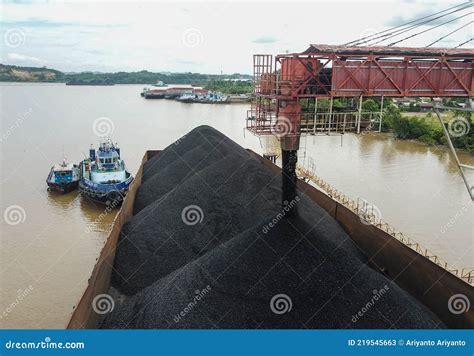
(104, 177)
(63, 177)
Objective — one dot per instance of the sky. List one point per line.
(197, 36)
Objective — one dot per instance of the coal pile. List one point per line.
(215, 250)
(179, 161)
(160, 239)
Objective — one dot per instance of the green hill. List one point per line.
(9, 73)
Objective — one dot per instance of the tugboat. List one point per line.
(104, 177)
(63, 177)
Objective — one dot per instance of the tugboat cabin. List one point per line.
(109, 168)
(62, 173)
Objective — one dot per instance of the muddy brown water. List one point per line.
(49, 242)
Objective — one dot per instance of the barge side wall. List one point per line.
(83, 315)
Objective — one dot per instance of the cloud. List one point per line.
(265, 39)
(400, 20)
(95, 51)
(186, 62)
(73, 35)
(43, 23)
(23, 58)
(25, 2)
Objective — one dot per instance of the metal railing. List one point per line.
(263, 122)
(370, 214)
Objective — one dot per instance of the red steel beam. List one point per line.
(401, 71)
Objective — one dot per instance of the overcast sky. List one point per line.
(207, 37)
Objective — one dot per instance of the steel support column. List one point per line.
(289, 159)
(381, 114)
(359, 114)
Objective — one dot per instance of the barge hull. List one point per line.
(426, 281)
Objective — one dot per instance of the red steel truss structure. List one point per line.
(324, 71)
(286, 84)
(338, 71)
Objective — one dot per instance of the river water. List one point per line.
(49, 242)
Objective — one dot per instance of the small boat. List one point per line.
(151, 87)
(187, 97)
(63, 177)
(104, 177)
(145, 89)
(212, 98)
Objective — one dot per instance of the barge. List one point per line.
(432, 285)
(90, 82)
(170, 91)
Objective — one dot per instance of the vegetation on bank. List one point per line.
(9, 73)
(230, 86)
(341, 104)
(427, 129)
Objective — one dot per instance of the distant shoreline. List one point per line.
(2, 82)
(13, 73)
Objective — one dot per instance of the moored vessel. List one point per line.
(151, 87)
(104, 177)
(63, 177)
(187, 97)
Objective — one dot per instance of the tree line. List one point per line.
(11, 73)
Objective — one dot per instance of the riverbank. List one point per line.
(427, 129)
(12, 73)
(441, 147)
